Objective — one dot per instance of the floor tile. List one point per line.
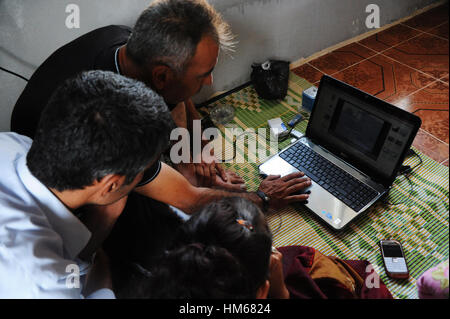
(389, 37)
(431, 104)
(441, 31)
(425, 52)
(342, 58)
(384, 78)
(431, 146)
(308, 72)
(435, 123)
(433, 97)
(406, 65)
(429, 19)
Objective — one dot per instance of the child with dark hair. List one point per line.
(225, 251)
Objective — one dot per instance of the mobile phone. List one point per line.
(295, 120)
(394, 259)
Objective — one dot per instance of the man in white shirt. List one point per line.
(97, 136)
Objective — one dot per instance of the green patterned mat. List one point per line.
(420, 223)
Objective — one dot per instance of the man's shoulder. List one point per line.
(12, 145)
(114, 28)
(88, 45)
(14, 198)
(16, 201)
(110, 30)
(84, 53)
(110, 33)
(91, 42)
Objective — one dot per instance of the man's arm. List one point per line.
(172, 188)
(179, 115)
(184, 113)
(100, 220)
(99, 280)
(191, 111)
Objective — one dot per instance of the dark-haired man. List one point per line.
(86, 151)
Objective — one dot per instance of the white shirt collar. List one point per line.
(73, 232)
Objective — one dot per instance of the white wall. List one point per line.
(30, 30)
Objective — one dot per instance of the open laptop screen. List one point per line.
(359, 129)
(366, 132)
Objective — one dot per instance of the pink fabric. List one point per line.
(433, 284)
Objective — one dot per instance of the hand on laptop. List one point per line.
(285, 190)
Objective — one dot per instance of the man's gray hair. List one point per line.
(168, 32)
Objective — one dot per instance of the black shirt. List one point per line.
(92, 51)
(95, 50)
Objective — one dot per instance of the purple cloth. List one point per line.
(433, 284)
(297, 263)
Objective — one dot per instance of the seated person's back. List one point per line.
(84, 153)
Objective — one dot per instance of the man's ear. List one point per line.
(110, 184)
(263, 291)
(162, 75)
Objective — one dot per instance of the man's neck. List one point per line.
(131, 70)
(128, 67)
(72, 199)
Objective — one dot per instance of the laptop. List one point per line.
(353, 148)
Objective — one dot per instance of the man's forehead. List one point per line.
(206, 54)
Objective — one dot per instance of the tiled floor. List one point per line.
(406, 65)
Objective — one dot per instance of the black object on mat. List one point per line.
(271, 79)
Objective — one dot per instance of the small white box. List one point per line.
(277, 129)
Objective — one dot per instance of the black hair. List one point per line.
(168, 32)
(95, 124)
(223, 251)
(197, 271)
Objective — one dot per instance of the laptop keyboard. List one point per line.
(342, 185)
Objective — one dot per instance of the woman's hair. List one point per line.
(223, 251)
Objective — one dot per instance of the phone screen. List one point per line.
(394, 260)
(392, 251)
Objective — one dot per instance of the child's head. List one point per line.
(223, 252)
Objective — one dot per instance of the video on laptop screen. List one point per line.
(359, 128)
(363, 134)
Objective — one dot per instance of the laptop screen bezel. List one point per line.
(410, 118)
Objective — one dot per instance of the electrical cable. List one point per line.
(407, 170)
(14, 73)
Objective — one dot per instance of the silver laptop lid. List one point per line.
(368, 133)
